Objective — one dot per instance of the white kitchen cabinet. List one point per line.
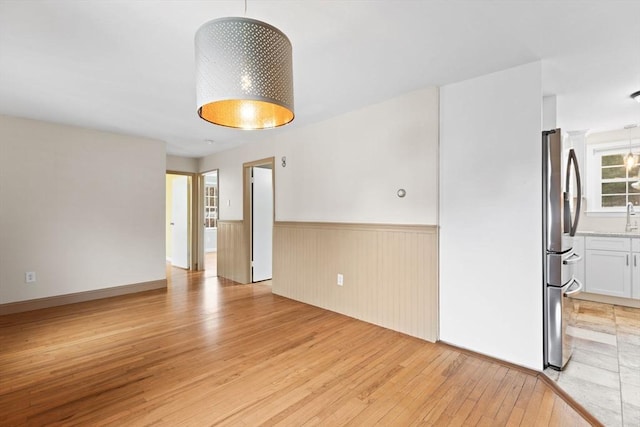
(608, 243)
(609, 273)
(635, 274)
(635, 271)
(612, 266)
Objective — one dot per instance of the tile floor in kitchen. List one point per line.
(603, 374)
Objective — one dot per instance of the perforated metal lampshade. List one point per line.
(244, 75)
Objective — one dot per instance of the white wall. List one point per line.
(210, 239)
(182, 164)
(549, 112)
(83, 209)
(229, 164)
(348, 168)
(490, 215)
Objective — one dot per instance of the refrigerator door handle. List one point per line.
(573, 259)
(576, 290)
(572, 226)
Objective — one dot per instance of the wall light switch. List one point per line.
(30, 277)
(340, 280)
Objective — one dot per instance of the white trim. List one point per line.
(593, 179)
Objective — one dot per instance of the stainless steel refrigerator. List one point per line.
(561, 212)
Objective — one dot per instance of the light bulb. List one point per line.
(630, 161)
(247, 112)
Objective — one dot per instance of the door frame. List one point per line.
(246, 205)
(194, 201)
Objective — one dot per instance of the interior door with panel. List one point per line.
(261, 224)
(180, 221)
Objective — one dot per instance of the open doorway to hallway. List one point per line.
(210, 215)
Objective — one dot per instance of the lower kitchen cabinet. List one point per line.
(612, 266)
(610, 272)
(635, 276)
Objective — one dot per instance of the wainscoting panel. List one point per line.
(233, 256)
(390, 272)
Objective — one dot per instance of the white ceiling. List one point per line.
(128, 66)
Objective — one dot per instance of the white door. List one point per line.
(179, 222)
(262, 223)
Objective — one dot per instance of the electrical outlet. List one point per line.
(30, 277)
(340, 279)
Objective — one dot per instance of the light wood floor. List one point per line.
(211, 352)
(211, 264)
(210, 267)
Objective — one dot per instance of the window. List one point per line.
(211, 206)
(616, 182)
(610, 184)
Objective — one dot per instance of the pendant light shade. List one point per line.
(630, 160)
(244, 75)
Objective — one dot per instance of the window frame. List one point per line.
(210, 206)
(594, 181)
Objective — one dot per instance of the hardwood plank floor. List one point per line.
(212, 352)
(211, 264)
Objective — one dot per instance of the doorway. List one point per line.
(178, 224)
(210, 215)
(259, 217)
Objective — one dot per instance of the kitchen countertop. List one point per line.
(635, 233)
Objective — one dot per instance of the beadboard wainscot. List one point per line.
(390, 271)
(233, 255)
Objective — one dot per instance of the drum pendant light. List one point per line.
(244, 75)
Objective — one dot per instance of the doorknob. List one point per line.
(171, 223)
